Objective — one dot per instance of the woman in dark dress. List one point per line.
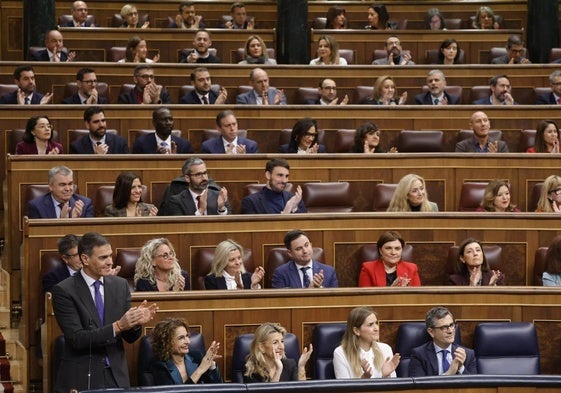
(267, 361)
(303, 138)
(38, 137)
(367, 140)
(127, 198)
(472, 267)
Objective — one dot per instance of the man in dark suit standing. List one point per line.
(24, 78)
(302, 271)
(87, 93)
(68, 250)
(273, 198)
(441, 356)
(61, 201)
(203, 93)
(98, 141)
(162, 141)
(436, 82)
(145, 91)
(79, 16)
(229, 142)
(554, 97)
(55, 49)
(93, 311)
(202, 197)
(262, 93)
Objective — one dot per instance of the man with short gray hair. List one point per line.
(554, 97)
(436, 82)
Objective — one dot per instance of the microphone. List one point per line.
(90, 356)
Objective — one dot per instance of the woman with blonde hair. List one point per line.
(228, 271)
(485, 19)
(328, 52)
(129, 13)
(496, 198)
(550, 197)
(267, 361)
(360, 354)
(255, 52)
(157, 269)
(385, 92)
(411, 196)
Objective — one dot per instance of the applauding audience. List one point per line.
(472, 267)
(38, 137)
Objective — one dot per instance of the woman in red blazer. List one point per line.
(389, 270)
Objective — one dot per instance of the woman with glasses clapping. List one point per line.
(157, 269)
(550, 197)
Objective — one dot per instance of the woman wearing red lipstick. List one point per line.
(472, 267)
(497, 198)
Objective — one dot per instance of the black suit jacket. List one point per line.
(257, 203)
(146, 144)
(87, 341)
(426, 99)
(184, 54)
(12, 98)
(213, 282)
(183, 204)
(546, 99)
(54, 277)
(117, 145)
(43, 55)
(132, 98)
(75, 99)
(424, 361)
(71, 24)
(193, 98)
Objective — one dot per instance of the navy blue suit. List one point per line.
(71, 24)
(210, 59)
(257, 203)
(213, 282)
(117, 145)
(12, 98)
(193, 98)
(287, 275)
(75, 99)
(427, 99)
(42, 206)
(146, 144)
(286, 148)
(55, 276)
(43, 55)
(546, 99)
(424, 361)
(250, 99)
(216, 145)
(132, 98)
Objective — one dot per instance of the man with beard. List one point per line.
(273, 199)
(500, 92)
(441, 356)
(203, 93)
(200, 54)
(146, 91)
(98, 141)
(395, 54)
(328, 94)
(480, 142)
(162, 141)
(87, 93)
(24, 78)
(201, 198)
(436, 82)
(187, 17)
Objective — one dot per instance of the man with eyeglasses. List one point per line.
(79, 12)
(328, 94)
(145, 91)
(441, 356)
(87, 93)
(228, 142)
(395, 56)
(553, 98)
(514, 52)
(201, 198)
(480, 142)
(162, 141)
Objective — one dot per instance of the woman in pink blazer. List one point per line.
(389, 270)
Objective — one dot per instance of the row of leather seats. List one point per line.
(203, 257)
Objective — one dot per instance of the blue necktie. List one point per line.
(98, 301)
(306, 279)
(445, 364)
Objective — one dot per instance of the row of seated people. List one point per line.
(229, 266)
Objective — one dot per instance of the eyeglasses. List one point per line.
(166, 255)
(198, 174)
(557, 191)
(146, 76)
(446, 327)
(90, 82)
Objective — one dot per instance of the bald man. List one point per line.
(480, 142)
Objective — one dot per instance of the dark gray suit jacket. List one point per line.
(249, 97)
(183, 204)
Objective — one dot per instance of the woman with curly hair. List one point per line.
(174, 362)
(496, 198)
(360, 354)
(127, 198)
(485, 19)
(367, 140)
(411, 196)
(303, 138)
(267, 361)
(157, 269)
(472, 267)
(228, 271)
